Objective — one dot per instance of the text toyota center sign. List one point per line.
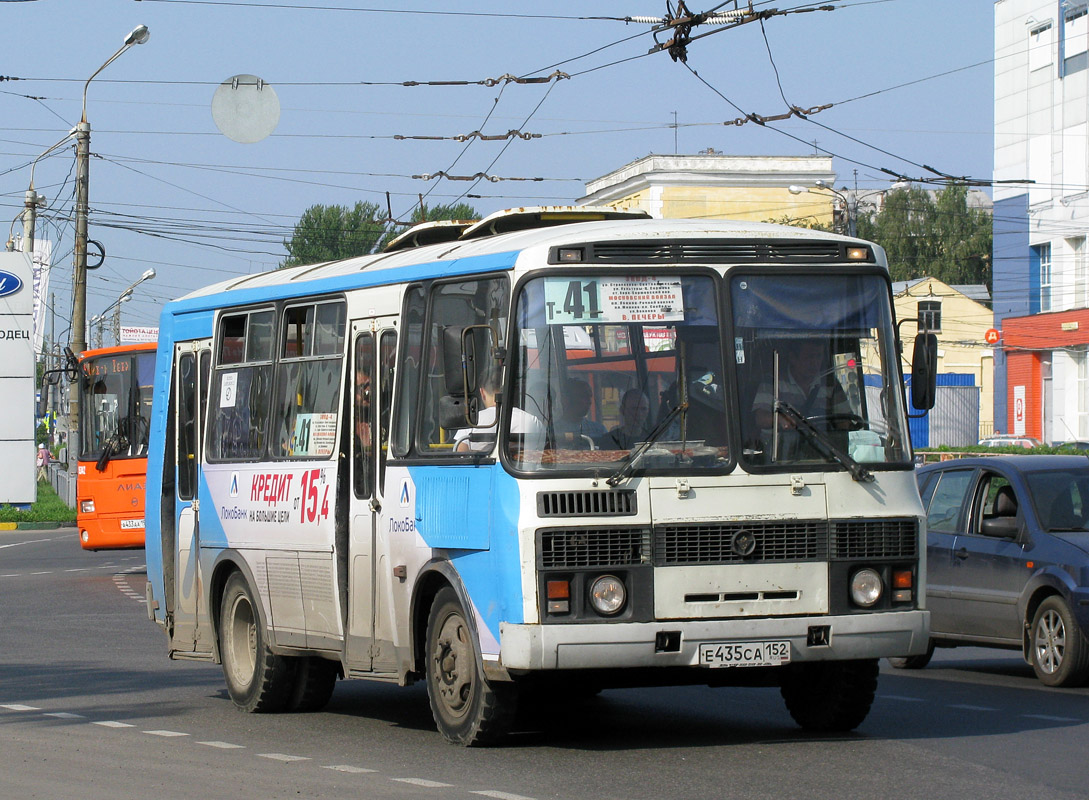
(17, 450)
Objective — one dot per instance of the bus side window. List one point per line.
(187, 434)
(387, 355)
(457, 304)
(242, 391)
(308, 372)
(408, 381)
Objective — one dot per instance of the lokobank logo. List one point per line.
(9, 283)
(234, 484)
(404, 498)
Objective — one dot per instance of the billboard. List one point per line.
(17, 449)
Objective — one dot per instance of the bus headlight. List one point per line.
(607, 595)
(866, 587)
(87, 506)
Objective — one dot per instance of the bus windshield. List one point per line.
(606, 363)
(816, 364)
(115, 405)
(609, 368)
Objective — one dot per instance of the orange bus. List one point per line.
(114, 410)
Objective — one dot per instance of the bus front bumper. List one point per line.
(640, 644)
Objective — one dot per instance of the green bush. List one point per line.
(49, 508)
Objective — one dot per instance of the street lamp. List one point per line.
(138, 35)
(850, 202)
(124, 297)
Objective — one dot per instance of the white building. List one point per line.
(1041, 275)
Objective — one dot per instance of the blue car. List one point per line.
(1008, 560)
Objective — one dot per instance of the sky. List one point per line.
(910, 83)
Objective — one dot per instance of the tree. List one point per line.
(328, 233)
(423, 213)
(932, 236)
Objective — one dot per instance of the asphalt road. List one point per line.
(90, 707)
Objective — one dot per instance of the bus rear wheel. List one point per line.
(467, 709)
(315, 679)
(258, 680)
(830, 695)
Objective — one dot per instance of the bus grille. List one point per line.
(585, 504)
(748, 542)
(730, 542)
(584, 547)
(716, 251)
(878, 538)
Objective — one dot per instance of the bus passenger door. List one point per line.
(369, 636)
(192, 362)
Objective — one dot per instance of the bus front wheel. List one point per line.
(830, 695)
(467, 709)
(258, 680)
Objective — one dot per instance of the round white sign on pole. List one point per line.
(245, 109)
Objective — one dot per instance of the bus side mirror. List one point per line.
(468, 355)
(924, 371)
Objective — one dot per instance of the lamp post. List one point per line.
(124, 297)
(850, 202)
(138, 35)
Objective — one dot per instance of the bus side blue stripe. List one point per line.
(492, 576)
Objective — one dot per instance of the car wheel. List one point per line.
(914, 662)
(1060, 652)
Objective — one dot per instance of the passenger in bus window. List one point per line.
(482, 437)
(364, 443)
(573, 429)
(808, 384)
(633, 427)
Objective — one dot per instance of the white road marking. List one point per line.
(1049, 718)
(424, 783)
(502, 795)
(63, 715)
(283, 757)
(965, 707)
(348, 768)
(113, 724)
(901, 698)
(224, 745)
(166, 733)
(18, 707)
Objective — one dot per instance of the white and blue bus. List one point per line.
(558, 450)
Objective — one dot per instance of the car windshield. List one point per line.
(1061, 498)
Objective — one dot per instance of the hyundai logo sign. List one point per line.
(9, 283)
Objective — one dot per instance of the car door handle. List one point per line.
(962, 553)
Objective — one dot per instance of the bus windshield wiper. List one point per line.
(822, 442)
(639, 451)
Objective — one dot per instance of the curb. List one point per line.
(33, 526)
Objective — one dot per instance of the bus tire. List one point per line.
(315, 679)
(468, 710)
(258, 680)
(830, 695)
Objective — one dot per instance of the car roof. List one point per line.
(1018, 463)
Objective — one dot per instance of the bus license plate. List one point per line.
(744, 654)
(128, 524)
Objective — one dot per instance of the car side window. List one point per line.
(927, 484)
(992, 487)
(948, 500)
